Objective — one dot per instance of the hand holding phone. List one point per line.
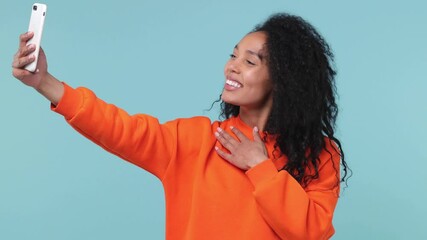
(38, 14)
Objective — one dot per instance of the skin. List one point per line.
(41, 80)
(247, 66)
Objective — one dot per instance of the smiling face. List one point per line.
(248, 84)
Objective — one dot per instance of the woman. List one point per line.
(270, 170)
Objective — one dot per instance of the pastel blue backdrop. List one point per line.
(166, 58)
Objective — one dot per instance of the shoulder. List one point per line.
(330, 155)
(197, 121)
(331, 146)
(193, 133)
(328, 168)
(194, 125)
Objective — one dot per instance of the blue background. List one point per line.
(165, 58)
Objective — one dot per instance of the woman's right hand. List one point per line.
(23, 57)
(41, 80)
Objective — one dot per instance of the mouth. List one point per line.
(233, 83)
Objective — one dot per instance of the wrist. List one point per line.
(51, 88)
(257, 161)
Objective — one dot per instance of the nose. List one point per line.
(232, 66)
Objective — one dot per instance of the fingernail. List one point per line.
(231, 127)
(256, 129)
(216, 134)
(216, 148)
(219, 129)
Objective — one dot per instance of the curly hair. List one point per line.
(304, 109)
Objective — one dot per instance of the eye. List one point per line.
(250, 62)
(232, 56)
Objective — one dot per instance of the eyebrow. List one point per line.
(260, 56)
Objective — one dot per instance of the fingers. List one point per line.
(257, 137)
(23, 39)
(23, 56)
(223, 154)
(25, 50)
(225, 139)
(20, 73)
(242, 152)
(21, 62)
(239, 134)
(230, 142)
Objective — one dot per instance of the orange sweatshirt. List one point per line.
(207, 197)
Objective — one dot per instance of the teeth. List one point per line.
(233, 83)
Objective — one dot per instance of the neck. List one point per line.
(254, 118)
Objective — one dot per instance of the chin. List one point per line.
(226, 99)
(229, 98)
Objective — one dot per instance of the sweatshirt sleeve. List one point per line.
(292, 211)
(139, 139)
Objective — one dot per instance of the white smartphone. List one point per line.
(38, 14)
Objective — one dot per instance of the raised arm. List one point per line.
(139, 139)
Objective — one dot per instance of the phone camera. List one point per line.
(35, 7)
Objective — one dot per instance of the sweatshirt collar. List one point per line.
(248, 130)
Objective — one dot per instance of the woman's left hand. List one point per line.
(244, 153)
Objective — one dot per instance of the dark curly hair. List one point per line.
(304, 110)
